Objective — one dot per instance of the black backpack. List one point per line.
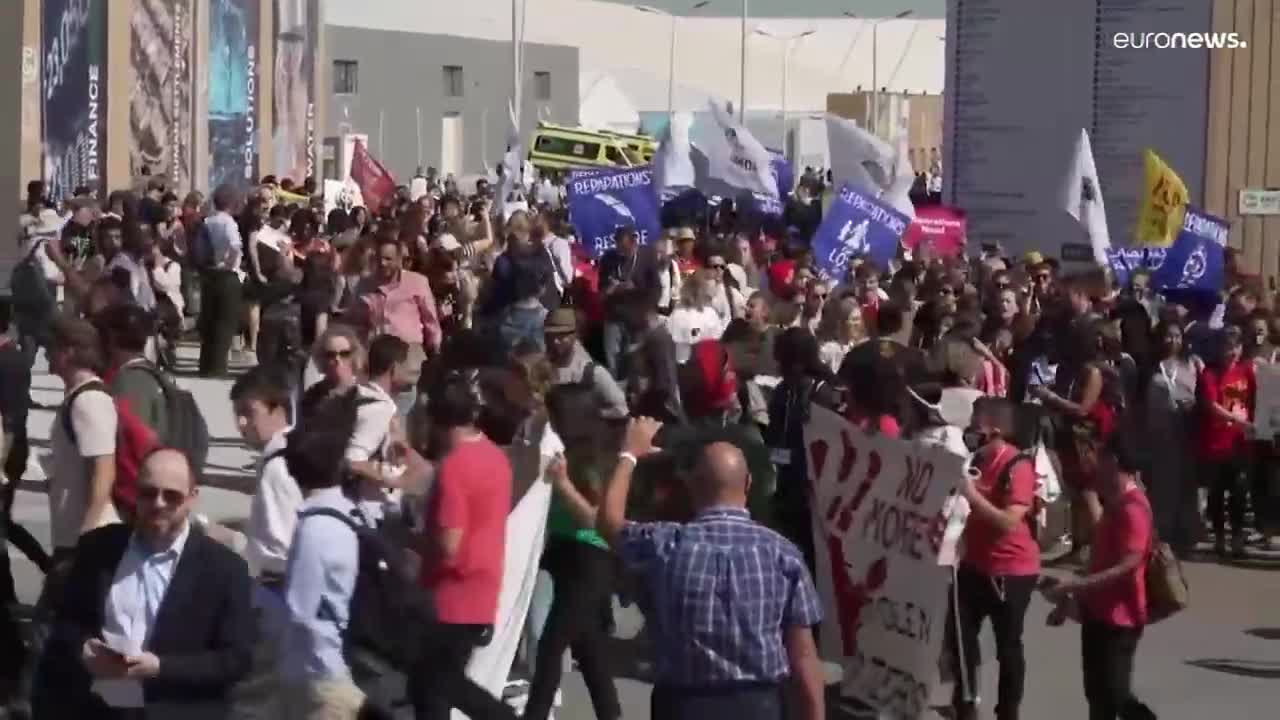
(188, 431)
(33, 296)
(1005, 485)
(389, 614)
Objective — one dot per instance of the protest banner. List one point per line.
(376, 184)
(600, 203)
(1124, 261)
(878, 528)
(937, 231)
(1196, 260)
(1164, 202)
(856, 225)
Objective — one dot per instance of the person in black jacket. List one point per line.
(627, 266)
(155, 621)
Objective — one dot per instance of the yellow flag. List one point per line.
(1163, 203)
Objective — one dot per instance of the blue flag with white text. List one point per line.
(602, 202)
(857, 225)
(1123, 261)
(1196, 260)
(783, 173)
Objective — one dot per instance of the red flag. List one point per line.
(376, 184)
(937, 231)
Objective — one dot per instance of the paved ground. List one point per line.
(1220, 659)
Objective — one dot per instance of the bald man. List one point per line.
(732, 604)
(155, 621)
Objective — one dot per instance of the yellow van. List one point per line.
(641, 147)
(555, 147)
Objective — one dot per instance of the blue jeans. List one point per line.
(520, 324)
(615, 340)
(539, 610)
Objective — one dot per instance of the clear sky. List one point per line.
(802, 8)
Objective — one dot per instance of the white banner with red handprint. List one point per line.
(878, 526)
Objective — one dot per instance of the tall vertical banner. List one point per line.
(160, 100)
(233, 65)
(74, 46)
(297, 24)
(878, 527)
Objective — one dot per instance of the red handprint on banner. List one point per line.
(851, 596)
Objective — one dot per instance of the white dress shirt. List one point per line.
(273, 512)
(369, 442)
(142, 578)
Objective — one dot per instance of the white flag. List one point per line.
(898, 194)
(1082, 198)
(673, 165)
(858, 157)
(736, 158)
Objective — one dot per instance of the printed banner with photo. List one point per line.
(878, 528)
(160, 97)
(601, 202)
(233, 66)
(857, 225)
(74, 47)
(297, 24)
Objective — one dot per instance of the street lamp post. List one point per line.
(787, 48)
(671, 59)
(742, 70)
(875, 57)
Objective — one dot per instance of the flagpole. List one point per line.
(742, 75)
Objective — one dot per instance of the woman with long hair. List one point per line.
(841, 329)
(1169, 424)
(578, 560)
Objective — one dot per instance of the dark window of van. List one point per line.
(561, 146)
(612, 154)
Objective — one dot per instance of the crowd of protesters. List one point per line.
(394, 351)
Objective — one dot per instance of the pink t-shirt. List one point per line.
(1125, 528)
(986, 548)
(472, 494)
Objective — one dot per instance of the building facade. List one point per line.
(440, 101)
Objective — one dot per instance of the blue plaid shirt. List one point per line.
(721, 591)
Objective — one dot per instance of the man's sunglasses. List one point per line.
(171, 497)
(336, 354)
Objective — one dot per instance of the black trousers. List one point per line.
(583, 578)
(745, 702)
(1003, 599)
(440, 681)
(221, 304)
(1227, 490)
(1106, 655)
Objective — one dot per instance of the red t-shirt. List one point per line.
(986, 548)
(1125, 528)
(1233, 388)
(472, 494)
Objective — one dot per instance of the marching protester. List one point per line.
(671, 368)
(700, 670)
